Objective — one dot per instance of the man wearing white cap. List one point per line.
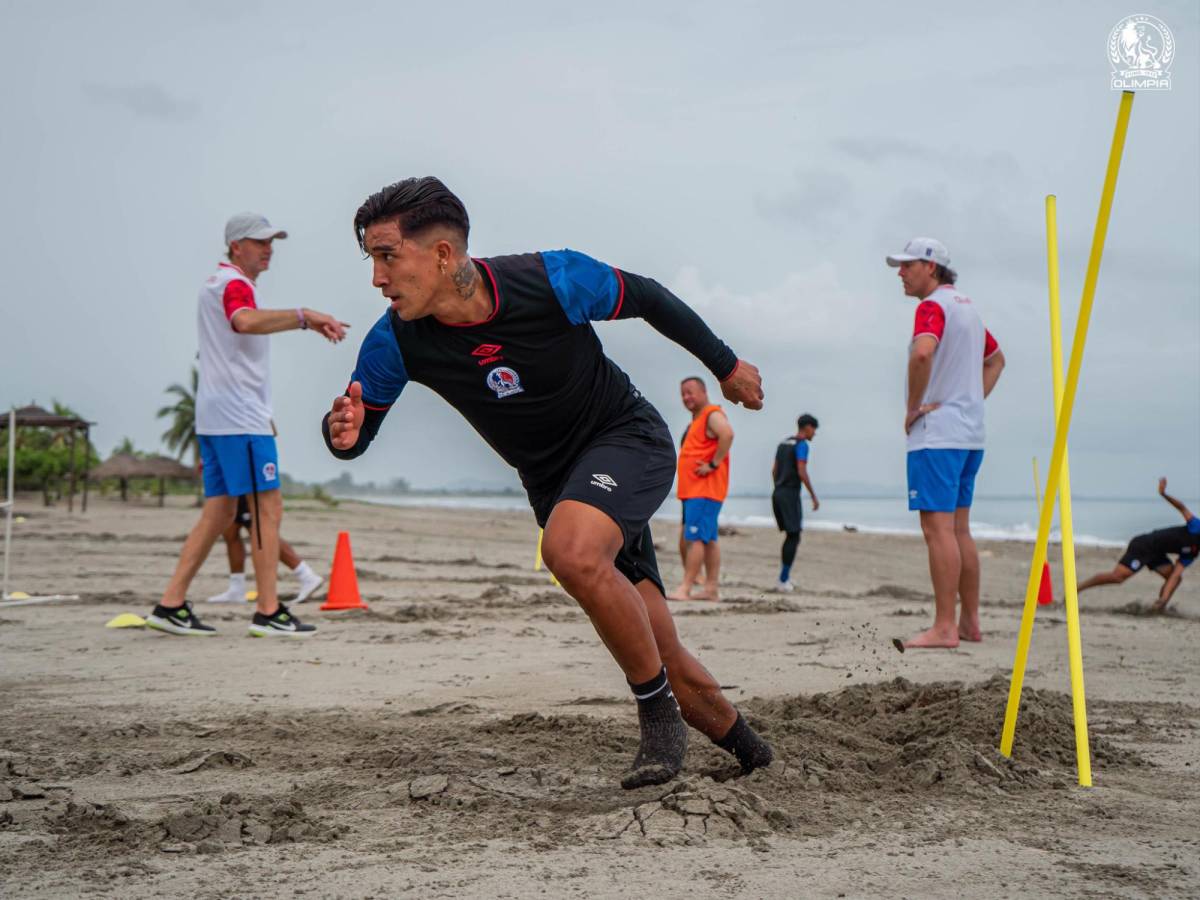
(953, 364)
(234, 428)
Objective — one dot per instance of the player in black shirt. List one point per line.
(508, 342)
(789, 471)
(1150, 551)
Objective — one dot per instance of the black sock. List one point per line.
(663, 741)
(652, 690)
(742, 741)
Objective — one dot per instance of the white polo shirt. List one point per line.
(234, 394)
(956, 381)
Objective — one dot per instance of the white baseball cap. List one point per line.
(251, 225)
(924, 248)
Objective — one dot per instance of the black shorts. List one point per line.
(789, 514)
(242, 516)
(625, 472)
(1140, 555)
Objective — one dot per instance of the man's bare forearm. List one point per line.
(992, 367)
(724, 442)
(1169, 586)
(919, 368)
(266, 321)
(1183, 510)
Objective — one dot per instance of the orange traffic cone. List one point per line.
(343, 581)
(1045, 592)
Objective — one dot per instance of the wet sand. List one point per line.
(466, 735)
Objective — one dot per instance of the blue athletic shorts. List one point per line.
(238, 464)
(942, 480)
(700, 519)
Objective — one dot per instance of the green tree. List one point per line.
(180, 436)
(126, 446)
(43, 457)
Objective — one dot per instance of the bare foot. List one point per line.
(682, 592)
(710, 595)
(968, 630)
(932, 639)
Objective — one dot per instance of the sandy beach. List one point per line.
(466, 735)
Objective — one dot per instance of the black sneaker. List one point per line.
(280, 623)
(180, 620)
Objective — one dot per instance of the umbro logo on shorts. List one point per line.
(605, 482)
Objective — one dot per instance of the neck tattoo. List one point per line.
(465, 278)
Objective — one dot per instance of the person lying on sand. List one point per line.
(508, 342)
(1153, 550)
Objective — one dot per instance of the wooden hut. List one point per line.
(124, 466)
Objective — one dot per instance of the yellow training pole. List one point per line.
(1058, 453)
(1083, 756)
(537, 562)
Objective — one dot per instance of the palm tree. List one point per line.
(181, 435)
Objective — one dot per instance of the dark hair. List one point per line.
(806, 419)
(417, 204)
(697, 379)
(944, 275)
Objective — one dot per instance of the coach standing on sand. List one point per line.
(233, 424)
(953, 364)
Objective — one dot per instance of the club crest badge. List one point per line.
(504, 381)
(268, 471)
(1141, 49)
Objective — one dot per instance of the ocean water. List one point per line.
(1108, 522)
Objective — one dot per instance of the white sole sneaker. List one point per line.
(307, 589)
(229, 596)
(166, 625)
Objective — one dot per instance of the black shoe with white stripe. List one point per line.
(280, 623)
(179, 620)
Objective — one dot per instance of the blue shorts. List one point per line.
(238, 464)
(700, 519)
(942, 480)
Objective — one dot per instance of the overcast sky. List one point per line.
(759, 159)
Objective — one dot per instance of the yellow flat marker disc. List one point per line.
(18, 595)
(126, 620)
(252, 595)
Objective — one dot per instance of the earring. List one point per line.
(443, 266)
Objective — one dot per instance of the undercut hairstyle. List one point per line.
(944, 275)
(417, 204)
(806, 419)
(697, 379)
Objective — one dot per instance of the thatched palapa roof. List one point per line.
(36, 417)
(126, 465)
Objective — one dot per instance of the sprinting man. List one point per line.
(790, 470)
(703, 480)
(236, 550)
(508, 342)
(953, 364)
(233, 423)
(1153, 550)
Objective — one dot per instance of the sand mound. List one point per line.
(900, 737)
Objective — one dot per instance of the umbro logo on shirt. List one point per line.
(489, 352)
(605, 482)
